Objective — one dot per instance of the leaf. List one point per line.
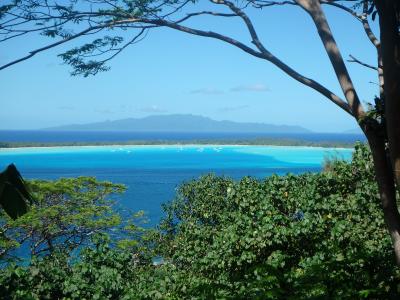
(339, 257)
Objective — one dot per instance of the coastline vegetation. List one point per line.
(251, 142)
(309, 236)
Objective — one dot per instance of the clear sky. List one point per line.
(172, 72)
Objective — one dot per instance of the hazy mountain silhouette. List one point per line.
(179, 123)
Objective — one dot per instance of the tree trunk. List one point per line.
(389, 14)
(314, 9)
(386, 187)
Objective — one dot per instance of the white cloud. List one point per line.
(258, 87)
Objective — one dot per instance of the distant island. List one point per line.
(176, 129)
(180, 123)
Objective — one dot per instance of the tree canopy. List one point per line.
(66, 215)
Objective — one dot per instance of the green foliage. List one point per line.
(311, 236)
(77, 57)
(332, 161)
(14, 196)
(101, 273)
(67, 212)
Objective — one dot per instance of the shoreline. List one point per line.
(180, 143)
(122, 146)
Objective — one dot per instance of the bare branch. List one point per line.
(270, 57)
(255, 39)
(262, 3)
(364, 19)
(134, 40)
(355, 60)
(266, 56)
(342, 7)
(190, 15)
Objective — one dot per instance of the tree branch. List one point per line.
(270, 57)
(342, 7)
(264, 3)
(255, 39)
(355, 60)
(34, 52)
(72, 37)
(364, 19)
(265, 55)
(190, 15)
(313, 8)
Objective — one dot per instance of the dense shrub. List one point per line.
(310, 236)
(100, 273)
(290, 237)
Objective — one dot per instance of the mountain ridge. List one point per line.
(179, 123)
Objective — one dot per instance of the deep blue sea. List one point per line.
(152, 173)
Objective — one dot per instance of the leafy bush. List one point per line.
(291, 237)
(100, 273)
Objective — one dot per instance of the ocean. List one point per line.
(152, 173)
(40, 136)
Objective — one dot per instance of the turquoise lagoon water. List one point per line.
(152, 173)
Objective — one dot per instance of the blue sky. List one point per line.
(172, 72)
